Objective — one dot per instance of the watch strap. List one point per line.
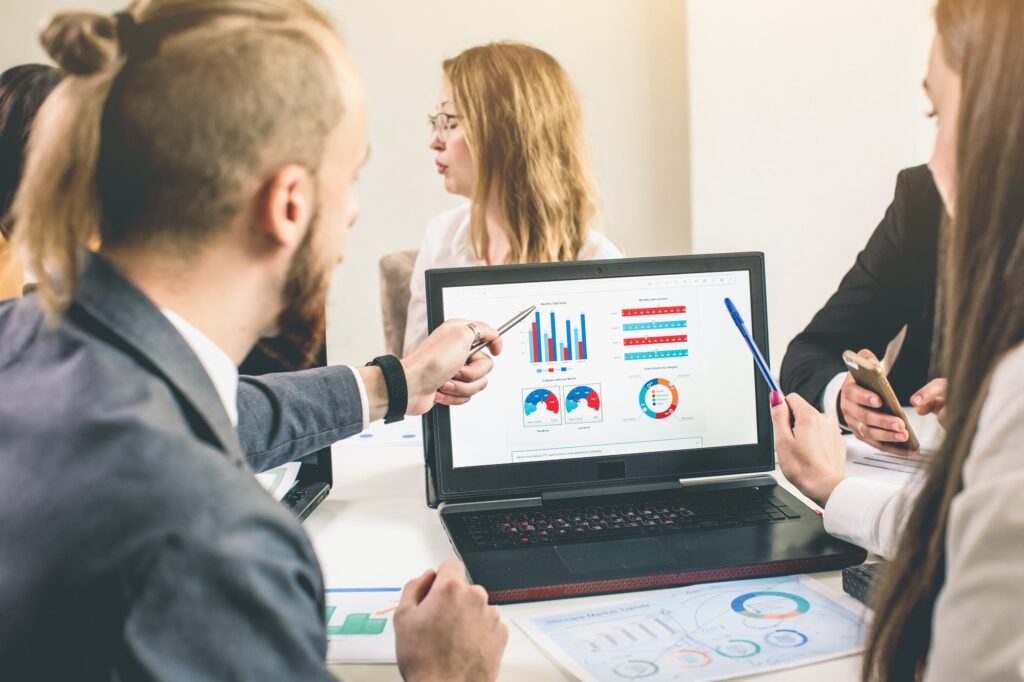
(396, 386)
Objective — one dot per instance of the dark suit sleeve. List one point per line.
(881, 293)
(282, 417)
(237, 603)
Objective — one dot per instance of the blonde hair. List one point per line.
(524, 126)
(163, 140)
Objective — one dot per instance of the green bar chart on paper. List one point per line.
(355, 624)
(359, 623)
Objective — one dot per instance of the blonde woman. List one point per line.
(508, 136)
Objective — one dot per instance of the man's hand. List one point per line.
(445, 630)
(811, 452)
(861, 411)
(437, 371)
(931, 399)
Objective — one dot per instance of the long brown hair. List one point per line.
(160, 140)
(982, 303)
(524, 127)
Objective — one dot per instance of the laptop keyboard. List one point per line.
(634, 518)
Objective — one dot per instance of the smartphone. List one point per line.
(868, 374)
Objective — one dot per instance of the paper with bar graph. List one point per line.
(359, 624)
(715, 631)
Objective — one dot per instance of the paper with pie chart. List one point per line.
(715, 631)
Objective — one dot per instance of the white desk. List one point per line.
(376, 525)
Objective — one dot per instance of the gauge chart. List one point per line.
(583, 404)
(541, 408)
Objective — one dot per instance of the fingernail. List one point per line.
(916, 400)
(875, 402)
(897, 426)
(449, 386)
(775, 398)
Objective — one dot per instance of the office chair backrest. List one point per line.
(395, 273)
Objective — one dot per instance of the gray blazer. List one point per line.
(135, 543)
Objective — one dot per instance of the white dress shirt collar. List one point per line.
(218, 365)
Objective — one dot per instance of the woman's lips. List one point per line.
(441, 168)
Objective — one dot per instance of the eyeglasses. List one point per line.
(442, 124)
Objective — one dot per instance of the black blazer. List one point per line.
(891, 284)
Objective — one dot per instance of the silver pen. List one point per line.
(519, 317)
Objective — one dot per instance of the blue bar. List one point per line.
(658, 354)
(568, 340)
(540, 351)
(583, 333)
(554, 336)
(576, 343)
(645, 326)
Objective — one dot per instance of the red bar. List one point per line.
(565, 353)
(668, 310)
(551, 350)
(580, 344)
(536, 345)
(648, 340)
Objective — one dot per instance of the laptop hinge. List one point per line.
(725, 481)
(617, 489)
(490, 505)
(743, 479)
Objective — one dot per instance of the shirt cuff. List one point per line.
(854, 513)
(364, 400)
(830, 398)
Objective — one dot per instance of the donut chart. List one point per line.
(659, 398)
(770, 605)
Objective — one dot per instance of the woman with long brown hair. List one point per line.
(508, 136)
(951, 606)
(22, 91)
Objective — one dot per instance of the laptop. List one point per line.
(315, 474)
(624, 440)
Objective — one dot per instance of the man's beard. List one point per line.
(302, 324)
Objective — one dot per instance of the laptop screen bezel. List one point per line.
(510, 480)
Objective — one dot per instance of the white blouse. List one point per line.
(978, 626)
(446, 244)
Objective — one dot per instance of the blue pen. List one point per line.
(758, 358)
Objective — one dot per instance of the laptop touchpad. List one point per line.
(600, 557)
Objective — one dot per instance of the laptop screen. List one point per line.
(628, 371)
(608, 367)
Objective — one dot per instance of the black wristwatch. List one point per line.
(394, 382)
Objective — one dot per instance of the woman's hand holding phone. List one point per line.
(861, 410)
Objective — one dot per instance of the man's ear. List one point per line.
(286, 205)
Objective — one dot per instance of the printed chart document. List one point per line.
(409, 432)
(360, 628)
(279, 480)
(864, 461)
(715, 631)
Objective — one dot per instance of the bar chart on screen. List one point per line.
(552, 338)
(655, 332)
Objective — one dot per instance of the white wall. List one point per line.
(801, 113)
